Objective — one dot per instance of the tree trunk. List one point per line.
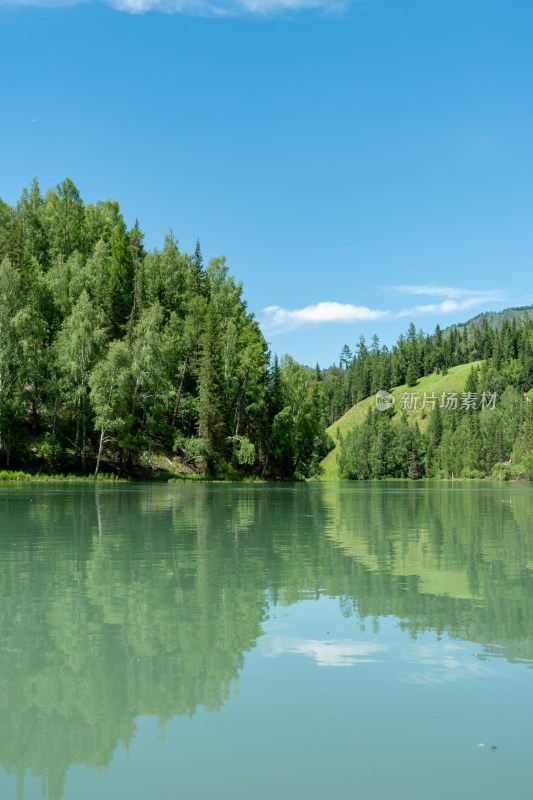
(100, 448)
(149, 456)
(83, 435)
(238, 418)
(136, 261)
(178, 393)
(77, 439)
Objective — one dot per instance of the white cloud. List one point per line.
(224, 7)
(227, 8)
(445, 307)
(278, 319)
(454, 299)
(449, 292)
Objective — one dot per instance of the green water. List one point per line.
(251, 642)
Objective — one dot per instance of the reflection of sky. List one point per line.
(316, 630)
(424, 664)
(337, 653)
(413, 700)
(441, 662)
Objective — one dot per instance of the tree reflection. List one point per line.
(143, 600)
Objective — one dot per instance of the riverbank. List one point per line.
(19, 476)
(15, 476)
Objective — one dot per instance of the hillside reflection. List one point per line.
(143, 600)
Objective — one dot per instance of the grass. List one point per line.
(454, 381)
(19, 475)
(9, 475)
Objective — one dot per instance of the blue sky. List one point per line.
(361, 164)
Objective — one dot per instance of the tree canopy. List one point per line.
(115, 358)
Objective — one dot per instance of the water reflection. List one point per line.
(143, 600)
(326, 652)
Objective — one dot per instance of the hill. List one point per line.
(454, 381)
(494, 318)
(125, 361)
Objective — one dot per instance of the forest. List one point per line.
(131, 362)
(128, 362)
(485, 431)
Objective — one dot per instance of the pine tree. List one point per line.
(198, 281)
(411, 377)
(136, 237)
(471, 384)
(345, 357)
(486, 340)
(211, 427)
(434, 436)
(121, 278)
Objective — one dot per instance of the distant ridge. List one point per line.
(494, 318)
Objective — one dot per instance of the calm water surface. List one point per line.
(301, 641)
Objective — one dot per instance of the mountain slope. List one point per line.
(454, 381)
(494, 318)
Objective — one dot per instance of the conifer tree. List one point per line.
(121, 278)
(434, 440)
(211, 418)
(198, 281)
(136, 237)
(411, 377)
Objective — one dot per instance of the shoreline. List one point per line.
(19, 476)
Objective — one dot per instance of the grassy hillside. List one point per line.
(414, 557)
(454, 381)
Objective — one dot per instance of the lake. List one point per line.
(358, 640)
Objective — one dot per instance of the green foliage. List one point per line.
(525, 468)
(297, 427)
(379, 449)
(78, 347)
(463, 442)
(211, 417)
(121, 278)
(112, 357)
(245, 452)
(111, 393)
(502, 471)
(411, 376)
